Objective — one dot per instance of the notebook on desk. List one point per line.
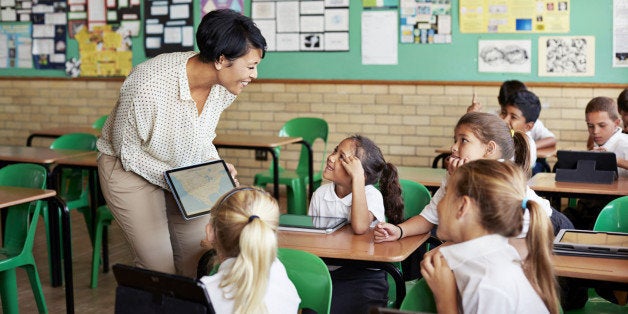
(591, 243)
(196, 188)
(318, 224)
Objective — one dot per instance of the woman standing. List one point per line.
(165, 118)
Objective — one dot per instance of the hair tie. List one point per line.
(253, 217)
(524, 203)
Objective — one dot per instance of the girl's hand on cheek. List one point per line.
(454, 163)
(353, 166)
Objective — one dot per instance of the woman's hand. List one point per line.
(384, 232)
(234, 173)
(440, 278)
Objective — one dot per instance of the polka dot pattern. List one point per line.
(155, 125)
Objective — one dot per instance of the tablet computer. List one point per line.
(196, 188)
(292, 222)
(591, 243)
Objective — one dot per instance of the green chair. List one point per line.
(296, 181)
(74, 185)
(419, 298)
(19, 236)
(415, 197)
(614, 216)
(100, 122)
(310, 276)
(103, 220)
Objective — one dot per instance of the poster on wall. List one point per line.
(168, 26)
(620, 33)
(504, 56)
(514, 16)
(567, 56)
(425, 22)
(303, 25)
(211, 5)
(103, 52)
(49, 34)
(15, 45)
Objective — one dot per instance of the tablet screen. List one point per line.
(594, 238)
(196, 188)
(311, 222)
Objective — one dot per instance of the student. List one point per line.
(542, 136)
(521, 111)
(622, 105)
(477, 135)
(243, 230)
(353, 168)
(483, 207)
(603, 123)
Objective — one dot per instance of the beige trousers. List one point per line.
(159, 237)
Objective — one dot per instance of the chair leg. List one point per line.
(105, 249)
(38, 293)
(96, 253)
(8, 291)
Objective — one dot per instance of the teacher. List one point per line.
(165, 118)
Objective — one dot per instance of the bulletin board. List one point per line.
(457, 61)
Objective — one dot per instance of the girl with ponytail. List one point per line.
(243, 231)
(483, 207)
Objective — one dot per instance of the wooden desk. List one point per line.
(545, 184)
(430, 177)
(56, 132)
(267, 143)
(592, 268)
(37, 155)
(343, 247)
(10, 196)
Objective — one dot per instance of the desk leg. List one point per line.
(275, 173)
(60, 207)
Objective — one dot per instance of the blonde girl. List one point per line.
(483, 207)
(250, 279)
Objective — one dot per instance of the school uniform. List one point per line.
(281, 295)
(539, 131)
(355, 289)
(490, 278)
(618, 144)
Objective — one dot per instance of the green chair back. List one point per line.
(100, 122)
(19, 236)
(311, 278)
(76, 141)
(415, 197)
(419, 298)
(310, 129)
(614, 216)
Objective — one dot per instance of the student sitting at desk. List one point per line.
(250, 279)
(483, 207)
(354, 166)
(540, 135)
(477, 135)
(622, 105)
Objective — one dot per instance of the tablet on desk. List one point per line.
(591, 243)
(196, 188)
(318, 224)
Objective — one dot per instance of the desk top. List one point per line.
(344, 244)
(84, 160)
(594, 268)
(58, 131)
(540, 153)
(11, 195)
(429, 177)
(546, 182)
(38, 155)
(254, 141)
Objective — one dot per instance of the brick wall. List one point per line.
(407, 120)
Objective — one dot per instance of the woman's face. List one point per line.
(236, 74)
(467, 145)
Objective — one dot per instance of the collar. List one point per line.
(457, 254)
(331, 196)
(611, 140)
(184, 84)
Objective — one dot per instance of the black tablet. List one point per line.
(196, 188)
(292, 222)
(591, 243)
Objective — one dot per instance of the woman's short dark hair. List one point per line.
(229, 33)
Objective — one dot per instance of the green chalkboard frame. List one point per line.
(434, 62)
